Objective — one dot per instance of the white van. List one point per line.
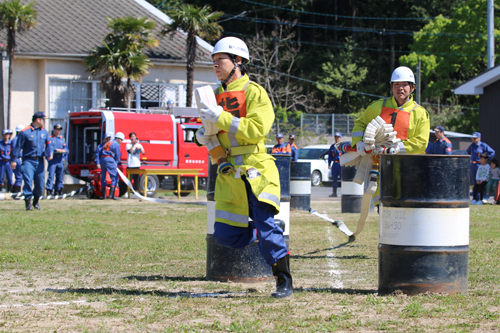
(318, 156)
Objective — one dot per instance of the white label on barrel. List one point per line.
(210, 217)
(351, 188)
(300, 187)
(424, 226)
(283, 215)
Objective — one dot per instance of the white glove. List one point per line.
(201, 137)
(360, 147)
(210, 113)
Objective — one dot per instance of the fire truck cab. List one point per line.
(167, 138)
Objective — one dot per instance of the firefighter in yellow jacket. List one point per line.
(252, 187)
(410, 120)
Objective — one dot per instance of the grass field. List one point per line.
(106, 266)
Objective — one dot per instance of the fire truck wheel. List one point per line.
(123, 188)
(153, 184)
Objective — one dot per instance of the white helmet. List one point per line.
(232, 45)
(19, 128)
(403, 74)
(119, 135)
(108, 135)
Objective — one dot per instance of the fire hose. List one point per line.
(379, 138)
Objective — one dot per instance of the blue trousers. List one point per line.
(18, 173)
(108, 164)
(473, 171)
(272, 245)
(336, 172)
(55, 169)
(33, 172)
(5, 169)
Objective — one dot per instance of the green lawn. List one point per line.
(91, 265)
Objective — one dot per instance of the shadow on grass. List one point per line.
(163, 278)
(306, 256)
(217, 294)
(336, 291)
(135, 292)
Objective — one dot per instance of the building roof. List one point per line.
(69, 28)
(475, 86)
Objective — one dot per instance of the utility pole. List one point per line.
(491, 37)
(418, 80)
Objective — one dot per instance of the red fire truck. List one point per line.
(167, 138)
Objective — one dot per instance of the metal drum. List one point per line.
(424, 224)
(352, 193)
(300, 186)
(247, 264)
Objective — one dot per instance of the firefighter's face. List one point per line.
(223, 65)
(401, 91)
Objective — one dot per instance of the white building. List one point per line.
(48, 70)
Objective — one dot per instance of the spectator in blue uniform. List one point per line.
(17, 171)
(334, 164)
(429, 148)
(110, 157)
(98, 151)
(475, 150)
(33, 141)
(442, 145)
(56, 165)
(293, 147)
(5, 152)
(280, 147)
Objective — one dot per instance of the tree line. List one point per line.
(338, 56)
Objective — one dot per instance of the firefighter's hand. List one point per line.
(360, 147)
(51, 157)
(210, 113)
(201, 137)
(13, 165)
(98, 166)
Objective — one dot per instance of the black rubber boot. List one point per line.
(28, 204)
(59, 192)
(112, 194)
(9, 188)
(334, 193)
(1, 188)
(104, 194)
(281, 272)
(49, 192)
(35, 203)
(280, 224)
(16, 189)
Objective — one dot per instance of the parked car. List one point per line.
(318, 156)
(459, 152)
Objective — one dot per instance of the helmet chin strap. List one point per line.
(232, 72)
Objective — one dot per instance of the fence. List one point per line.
(321, 124)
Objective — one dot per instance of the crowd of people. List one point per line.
(23, 159)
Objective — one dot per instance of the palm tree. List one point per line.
(194, 21)
(122, 57)
(16, 18)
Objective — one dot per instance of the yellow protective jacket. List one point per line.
(244, 138)
(418, 131)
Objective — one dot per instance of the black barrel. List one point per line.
(424, 224)
(352, 193)
(300, 186)
(247, 264)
